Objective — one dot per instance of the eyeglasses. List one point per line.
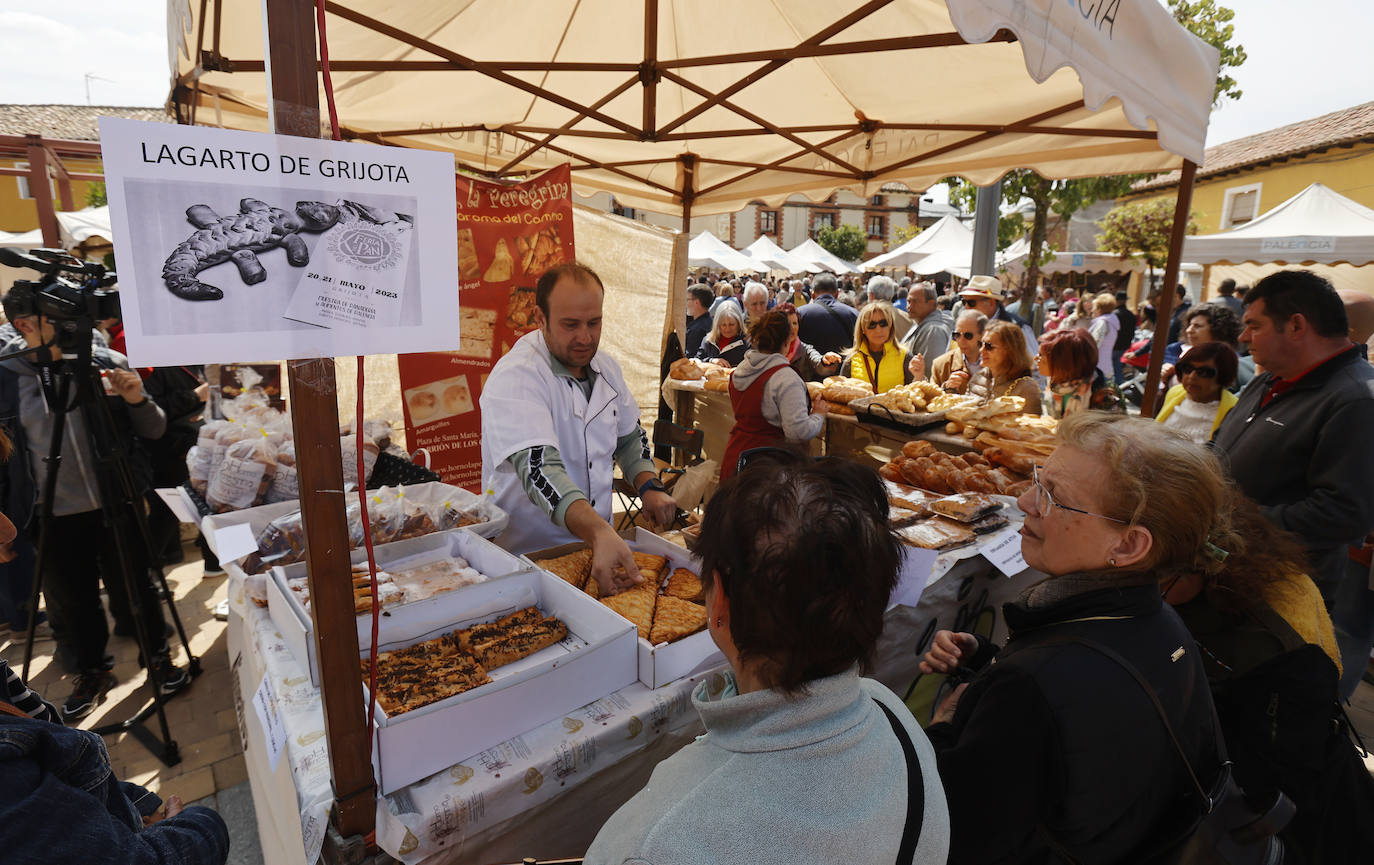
(1044, 501)
(966, 334)
(875, 323)
(1202, 371)
(987, 346)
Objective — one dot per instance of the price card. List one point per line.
(917, 566)
(1004, 551)
(273, 732)
(235, 542)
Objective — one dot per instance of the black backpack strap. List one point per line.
(916, 792)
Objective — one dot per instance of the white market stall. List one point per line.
(823, 259)
(702, 106)
(948, 236)
(774, 257)
(707, 250)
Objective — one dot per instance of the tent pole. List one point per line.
(295, 110)
(41, 192)
(1166, 295)
(689, 161)
(986, 211)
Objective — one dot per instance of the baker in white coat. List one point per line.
(555, 415)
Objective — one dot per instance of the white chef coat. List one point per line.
(526, 404)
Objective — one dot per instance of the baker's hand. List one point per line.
(917, 366)
(948, 651)
(957, 381)
(127, 384)
(820, 406)
(660, 507)
(613, 565)
(945, 713)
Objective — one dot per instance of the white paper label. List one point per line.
(236, 483)
(235, 542)
(265, 705)
(917, 566)
(357, 273)
(172, 499)
(1004, 551)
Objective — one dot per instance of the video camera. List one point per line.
(73, 305)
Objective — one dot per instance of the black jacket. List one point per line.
(697, 330)
(827, 324)
(732, 352)
(1058, 739)
(1306, 458)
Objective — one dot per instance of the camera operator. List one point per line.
(80, 546)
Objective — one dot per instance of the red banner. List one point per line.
(508, 235)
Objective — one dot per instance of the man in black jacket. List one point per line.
(699, 299)
(1297, 441)
(1125, 335)
(825, 324)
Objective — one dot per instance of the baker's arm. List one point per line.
(636, 462)
(546, 482)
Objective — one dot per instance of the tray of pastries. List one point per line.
(665, 607)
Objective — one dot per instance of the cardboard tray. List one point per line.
(666, 662)
(398, 623)
(597, 659)
(257, 518)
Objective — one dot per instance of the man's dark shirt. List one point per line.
(827, 325)
(1126, 335)
(697, 329)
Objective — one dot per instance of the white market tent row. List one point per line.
(1316, 226)
(823, 259)
(702, 106)
(774, 257)
(707, 250)
(27, 239)
(948, 235)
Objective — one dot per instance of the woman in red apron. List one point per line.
(770, 400)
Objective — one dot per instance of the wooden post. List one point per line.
(294, 93)
(41, 191)
(1166, 295)
(689, 171)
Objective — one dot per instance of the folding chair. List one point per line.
(686, 446)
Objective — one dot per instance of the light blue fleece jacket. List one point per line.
(820, 778)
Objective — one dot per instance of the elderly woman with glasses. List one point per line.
(1056, 752)
(877, 358)
(1006, 369)
(804, 759)
(1196, 407)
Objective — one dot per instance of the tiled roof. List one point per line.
(1295, 139)
(71, 122)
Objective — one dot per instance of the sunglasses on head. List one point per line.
(1203, 371)
(966, 334)
(875, 323)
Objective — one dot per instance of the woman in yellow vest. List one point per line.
(876, 357)
(1195, 407)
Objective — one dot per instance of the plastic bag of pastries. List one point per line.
(245, 475)
(282, 542)
(200, 468)
(348, 452)
(285, 482)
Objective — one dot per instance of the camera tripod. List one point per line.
(78, 386)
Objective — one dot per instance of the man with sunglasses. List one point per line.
(955, 368)
(929, 338)
(1297, 441)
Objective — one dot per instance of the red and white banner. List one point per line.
(508, 235)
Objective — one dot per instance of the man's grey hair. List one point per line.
(881, 288)
(754, 289)
(927, 290)
(796, 285)
(977, 317)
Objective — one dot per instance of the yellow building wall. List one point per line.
(1348, 171)
(21, 214)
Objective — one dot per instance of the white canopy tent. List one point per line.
(702, 106)
(774, 257)
(1316, 226)
(78, 226)
(26, 239)
(949, 236)
(812, 252)
(707, 250)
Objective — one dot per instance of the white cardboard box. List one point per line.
(597, 658)
(666, 662)
(399, 624)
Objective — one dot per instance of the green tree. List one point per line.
(847, 241)
(901, 234)
(1064, 198)
(95, 195)
(1211, 22)
(1141, 229)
